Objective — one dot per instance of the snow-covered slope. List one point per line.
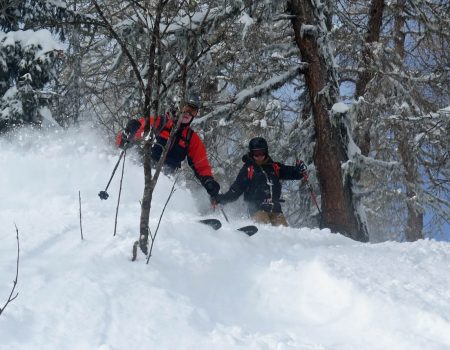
(280, 289)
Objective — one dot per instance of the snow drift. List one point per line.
(280, 289)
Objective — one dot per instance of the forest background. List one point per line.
(357, 89)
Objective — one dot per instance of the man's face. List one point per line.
(187, 114)
(259, 156)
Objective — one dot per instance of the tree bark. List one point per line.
(373, 35)
(338, 212)
(362, 133)
(414, 221)
(149, 182)
(77, 68)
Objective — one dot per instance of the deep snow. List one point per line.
(280, 289)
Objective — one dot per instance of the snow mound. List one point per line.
(280, 289)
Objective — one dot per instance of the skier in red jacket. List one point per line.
(186, 143)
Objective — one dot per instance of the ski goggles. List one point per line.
(259, 153)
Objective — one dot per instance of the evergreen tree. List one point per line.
(27, 60)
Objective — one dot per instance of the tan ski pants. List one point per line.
(275, 219)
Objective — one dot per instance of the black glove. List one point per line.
(211, 186)
(128, 133)
(302, 168)
(133, 125)
(219, 199)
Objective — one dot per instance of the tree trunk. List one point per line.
(338, 212)
(149, 184)
(414, 222)
(373, 35)
(362, 133)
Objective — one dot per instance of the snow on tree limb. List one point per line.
(245, 95)
(200, 20)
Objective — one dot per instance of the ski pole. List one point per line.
(104, 194)
(313, 196)
(120, 192)
(311, 190)
(214, 205)
(223, 213)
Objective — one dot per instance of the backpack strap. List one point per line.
(162, 126)
(276, 169)
(250, 172)
(162, 119)
(188, 137)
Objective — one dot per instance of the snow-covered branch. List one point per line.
(245, 95)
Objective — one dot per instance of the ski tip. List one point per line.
(249, 230)
(213, 223)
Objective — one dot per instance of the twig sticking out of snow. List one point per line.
(11, 297)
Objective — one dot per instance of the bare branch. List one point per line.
(153, 237)
(122, 45)
(81, 224)
(11, 297)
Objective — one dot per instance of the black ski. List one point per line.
(215, 224)
(249, 230)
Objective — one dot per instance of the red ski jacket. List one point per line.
(186, 143)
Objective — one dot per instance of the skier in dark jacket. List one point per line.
(186, 143)
(259, 181)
